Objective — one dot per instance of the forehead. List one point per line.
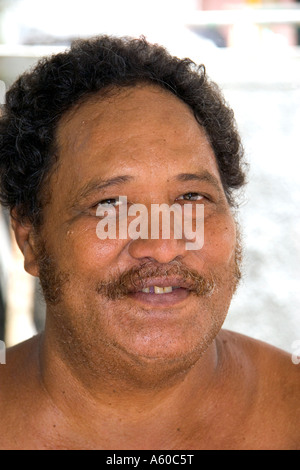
(122, 111)
(132, 127)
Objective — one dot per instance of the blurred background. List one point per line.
(251, 48)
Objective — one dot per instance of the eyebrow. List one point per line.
(99, 184)
(203, 176)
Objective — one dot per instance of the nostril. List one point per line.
(160, 251)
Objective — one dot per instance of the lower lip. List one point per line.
(163, 300)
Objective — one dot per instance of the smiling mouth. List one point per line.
(164, 289)
(160, 296)
(159, 290)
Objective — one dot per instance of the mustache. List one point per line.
(53, 280)
(134, 279)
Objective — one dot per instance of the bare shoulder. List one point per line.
(277, 373)
(24, 353)
(17, 385)
(276, 401)
(17, 370)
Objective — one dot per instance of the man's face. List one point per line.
(145, 144)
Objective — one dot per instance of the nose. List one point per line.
(161, 238)
(161, 251)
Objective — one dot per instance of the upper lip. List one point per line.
(160, 282)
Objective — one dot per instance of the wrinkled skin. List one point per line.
(131, 371)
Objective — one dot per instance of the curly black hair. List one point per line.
(39, 98)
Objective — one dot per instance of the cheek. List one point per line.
(219, 241)
(82, 252)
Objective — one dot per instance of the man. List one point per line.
(133, 355)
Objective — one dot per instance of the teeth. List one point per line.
(168, 289)
(159, 290)
(146, 290)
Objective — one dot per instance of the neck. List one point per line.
(156, 397)
(114, 369)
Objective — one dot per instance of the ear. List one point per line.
(24, 233)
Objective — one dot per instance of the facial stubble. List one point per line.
(118, 286)
(83, 346)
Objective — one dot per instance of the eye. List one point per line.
(106, 206)
(108, 202)
(191, 197)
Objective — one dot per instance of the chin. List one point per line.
(167, 347)
(155, 364)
